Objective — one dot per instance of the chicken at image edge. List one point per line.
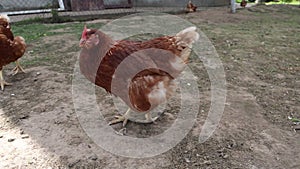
(100, 57)
(11, 48)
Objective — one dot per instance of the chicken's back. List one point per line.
(11, 51)
(10, 48)
(18, 47)
(5, 51)
(147, 65)
(139, 55)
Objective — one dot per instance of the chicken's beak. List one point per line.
(83, 37)
(82, 43)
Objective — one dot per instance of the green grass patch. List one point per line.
(289, 2)
(36, 29)
(33, 29)
(37, 61)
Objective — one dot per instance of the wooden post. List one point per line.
(232, 4)
(61, 4)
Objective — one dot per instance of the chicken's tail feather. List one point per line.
(187, 37)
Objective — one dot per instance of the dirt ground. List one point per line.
(259, 48)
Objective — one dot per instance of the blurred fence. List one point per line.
(42, 8)
(83, 5)
(17, 5)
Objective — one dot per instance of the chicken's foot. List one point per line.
(2, 81)
(18, 68)
(121, 118)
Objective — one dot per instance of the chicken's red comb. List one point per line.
(83, 36)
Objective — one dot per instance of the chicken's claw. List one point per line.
(3, 83)
(18, 68)
(121, 132)
(119, 118)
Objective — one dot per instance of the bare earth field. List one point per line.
(259, 48)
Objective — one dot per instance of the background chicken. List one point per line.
(11, 48)
(101, 56)
(243, 3)
(190, 7)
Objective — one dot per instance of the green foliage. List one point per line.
(55, 16)
(290, 2)
(273, 1)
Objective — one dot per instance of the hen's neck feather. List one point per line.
(90, 59)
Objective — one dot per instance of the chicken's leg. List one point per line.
(121, 118)
(18, 68)
(2, 81)
(149, 118)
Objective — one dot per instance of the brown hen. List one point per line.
(11, 48)
(140, 73)
(243, 3)
(190, 7)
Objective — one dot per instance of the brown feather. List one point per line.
(243, 3)
(190, 7)
(5, 28)
(11, 48)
